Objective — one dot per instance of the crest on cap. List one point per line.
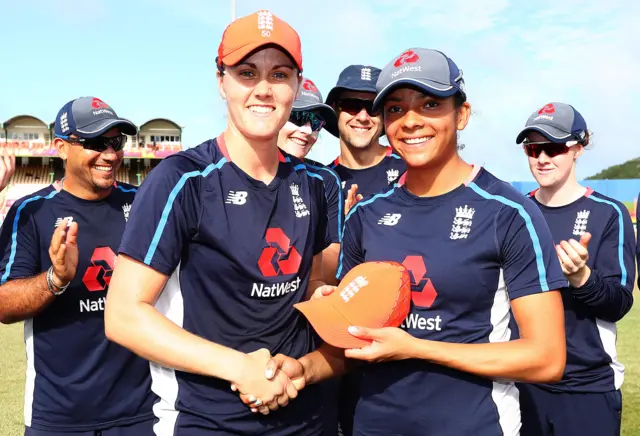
(408, 57)
(365, 73)
(265, 23)
(309, 86)
(64, 122)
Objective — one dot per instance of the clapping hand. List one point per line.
(63, 253)
(573, 256)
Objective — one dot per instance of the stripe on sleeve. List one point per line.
(542, 272)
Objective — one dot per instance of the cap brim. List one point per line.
(327, 113)
(100, 127)
(337, 90)
(553, 134)
(428, 86)
(240, 53)
(330, 324)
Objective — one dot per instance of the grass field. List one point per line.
(12, 362)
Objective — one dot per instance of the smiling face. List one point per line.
(358, 128)
(297, 140)
(422, 128)
(94, 171)
(552, 172)
(260, 91)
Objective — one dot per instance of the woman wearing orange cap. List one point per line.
(222, 240)
(480, 255)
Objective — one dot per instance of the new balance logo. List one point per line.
(67, 219)
(236, 197)
(580, 226)
(390, 219)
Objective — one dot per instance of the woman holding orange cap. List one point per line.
(479, 254)
(222, 241)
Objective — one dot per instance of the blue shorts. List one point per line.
(144, 428)
(547, 413)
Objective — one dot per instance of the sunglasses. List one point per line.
(551, 149)
(301, 118)
(99, 144)
(353, 106)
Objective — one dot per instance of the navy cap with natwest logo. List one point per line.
(310, 99)
(361, 78)
(428, 70)
(558, 122)
(90, 117)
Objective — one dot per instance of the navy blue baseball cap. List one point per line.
(354, 78)
(428, 70)
(558, 122)
(90, 117)
(310, 99)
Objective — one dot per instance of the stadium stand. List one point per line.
(37, 163)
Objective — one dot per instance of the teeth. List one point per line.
(415, 140)
(261, 109)
(298, 141)
(103, 168)
(360, 129)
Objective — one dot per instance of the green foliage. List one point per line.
(628, 170)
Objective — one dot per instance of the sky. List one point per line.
(156, 58)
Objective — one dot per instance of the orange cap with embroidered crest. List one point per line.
(248, 33)
(373, 294)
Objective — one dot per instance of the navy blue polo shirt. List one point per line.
(77, 380)
(591, 311)
(470, 252)
(372, 180)
(238, 254)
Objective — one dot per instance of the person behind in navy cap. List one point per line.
(223, 239)
(364, 163)
(59, 248)
(595, 244)
(308, 116)
(478, 251)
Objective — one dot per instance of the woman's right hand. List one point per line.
(269, 394)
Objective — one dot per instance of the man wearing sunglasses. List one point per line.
(308, 116)
(363, 161)
(59, 247)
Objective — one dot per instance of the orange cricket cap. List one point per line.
(373, 294)
(248, 33)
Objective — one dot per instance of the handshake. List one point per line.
(268, 382)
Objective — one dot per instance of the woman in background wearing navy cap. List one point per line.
(477, 250)
(595, 245)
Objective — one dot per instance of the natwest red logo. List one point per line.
(96, 103)
(309, 86)
(408, 57)
(547, 109)
(423, 293)
(280, 257)
(98, 275)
